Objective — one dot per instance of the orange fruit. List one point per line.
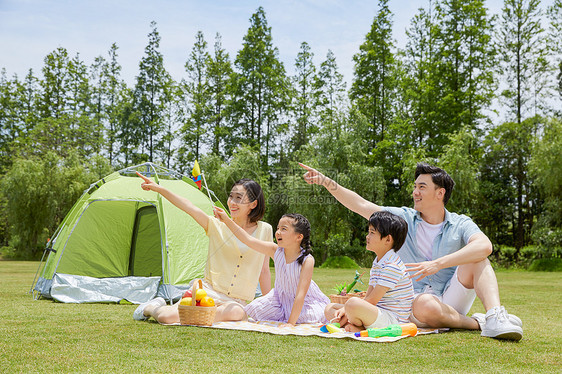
(185, 301)
(200, 293)
(207, 301)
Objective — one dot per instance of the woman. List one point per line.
(232, 269)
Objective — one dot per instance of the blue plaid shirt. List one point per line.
(457, 230)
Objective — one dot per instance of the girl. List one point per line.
(232, 269)
(295, 297)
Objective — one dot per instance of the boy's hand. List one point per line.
(340, 317)
(220, 214)
(148, 184)
(312, 176)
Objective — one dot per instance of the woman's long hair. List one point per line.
(254, 192)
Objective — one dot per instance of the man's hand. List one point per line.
(312, 176)
(423, 269)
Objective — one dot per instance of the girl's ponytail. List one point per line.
(302, 226)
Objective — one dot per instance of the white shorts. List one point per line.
(219, 297)
(384, 319)
(456, 295)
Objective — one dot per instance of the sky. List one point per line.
(31, 29)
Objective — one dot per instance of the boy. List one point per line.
(390, 294)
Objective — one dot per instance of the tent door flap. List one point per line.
(146, 246)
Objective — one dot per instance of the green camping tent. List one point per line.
(119, 242)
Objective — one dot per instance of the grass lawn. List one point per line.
(44, 336)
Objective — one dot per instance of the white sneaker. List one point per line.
(481, 319)
(498, 325)
(139, 312)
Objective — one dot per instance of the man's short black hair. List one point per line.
(386, 224)
(438, 176)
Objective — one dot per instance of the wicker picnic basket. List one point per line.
(339, 299)
(196, 315)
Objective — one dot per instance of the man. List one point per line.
(446, 252)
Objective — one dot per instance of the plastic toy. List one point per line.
(344, 289)
(331, 328)
(407, 329)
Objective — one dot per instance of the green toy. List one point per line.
(344, 289)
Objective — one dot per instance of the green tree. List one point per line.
(9, 125)
(545, 168)
(28, 95)
(196, 98)
(466, 60)
(53, 132)
(509, 198)
(419, 87)
(521, 45)
(303, 105)
(25, 114)
(55, 85)
(372, 90)
(219, 70)
(447, 74)
(554, 14)
(86, 133)
(114, 92)
(99, 113)
(165, 145)
(244, 163)
(461, 163)
(339, 152)
(330, 91)
(79, 88)
(39, 191)
(151, 95)
(128, 133)
(260, 90)
(106, 90)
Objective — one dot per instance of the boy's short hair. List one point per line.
(386, 224)
(438, 176)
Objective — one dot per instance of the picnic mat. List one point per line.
(303, 330)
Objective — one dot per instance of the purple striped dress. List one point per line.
(278, 303)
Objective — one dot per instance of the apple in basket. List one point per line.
(187, 293)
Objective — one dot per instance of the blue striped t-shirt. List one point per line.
(390, 272)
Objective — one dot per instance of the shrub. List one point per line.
(339, 262)
(549, 242)
(546, 264)
(508, 257)
(336, 245)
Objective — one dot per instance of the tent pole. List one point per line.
(37, 272)
(207, 188)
